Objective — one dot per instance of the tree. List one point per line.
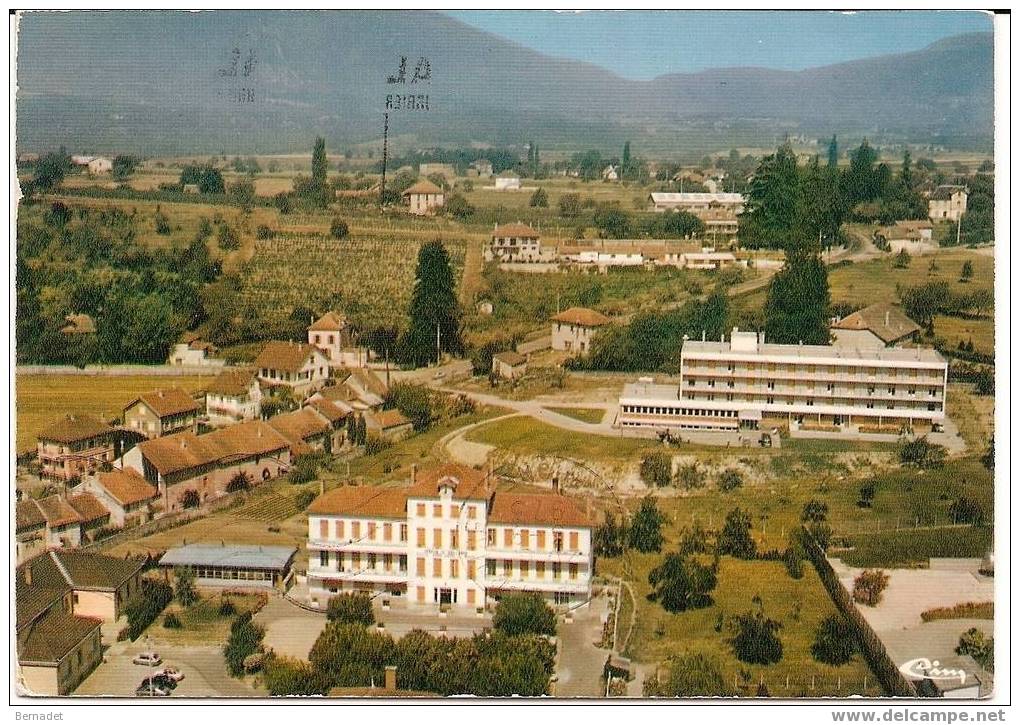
(458, 207)
(833, 160)
(570, 205)
(625, 164)
(988, 459)
(124, 166)
(240, 481)
(690, 476)
(735, 537)
(609, 538)
(967, 272)
(923, 302)
(190, 499)
(867, 495)
(921, 453)
(814, 510)
(434, 316)
(756, 640)
(835, 641)
(348, 655)
(680, 583)
(645, 532)
(978, 645)
(657, 469)
(902, 259)
(245, 639)
(227, 239)
(693, 674)
(518, 614)
(50, 170)
(414, 402)
(730, 480)
(540, 198)
(612, 222)
(184, 587)
(869, 585)
(966, 511)
(793, 557)
(797, 304)
(320, 166)
(769, 218)
(350, 608)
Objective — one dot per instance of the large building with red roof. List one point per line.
(449, 537)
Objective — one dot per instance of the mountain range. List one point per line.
(175, 82)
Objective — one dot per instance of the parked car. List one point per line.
(160, 681)
(150, 659)
(171, 673)
(145, 690)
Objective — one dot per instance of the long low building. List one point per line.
(449, 538)
(748, 383)
(233, 565)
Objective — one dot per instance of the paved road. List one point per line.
(205, 672)
(580, 661)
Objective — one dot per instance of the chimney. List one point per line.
(28, 574)
(556, 484)
(322, 487)
(390, 681)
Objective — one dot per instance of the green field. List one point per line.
(914, 548)
(201, 623)
(585, 415)
(43, 399)
(954, 330)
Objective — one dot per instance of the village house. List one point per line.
(63, 599)
(514, 243)
(306, 431)
(335, 414)
(59, 521)
(747, 384)
(424, 197)
(947, 203)
(365, 389)
(79, 325)
(300, 367)
(232, 566)
(162, 412)
(192, 351)
(574, 328)
(93, 516)
(509, 365)
(449, 539)
(75, 445)
(695, 202)
(234, 395)
(483, 167)
(129, 498)
(332, 334)
(507, 182)
(189, 470)
(876, 326)
(390, 425)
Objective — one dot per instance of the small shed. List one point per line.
(233, 565)
(509, 365)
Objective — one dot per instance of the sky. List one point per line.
(641, 45)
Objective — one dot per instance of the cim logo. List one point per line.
(923, 668)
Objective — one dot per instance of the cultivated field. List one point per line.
(42, 399)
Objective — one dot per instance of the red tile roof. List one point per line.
(89, 508)
(581, 316)
(549, 509)
(75, 427)
(232, 381)
(58, 511)
(369, 501)
(28, 515)
(285, 356)
(300, 425)
(515, 230)
(329, 322)
(126, 487)
(385, 419)
(423, 187)
(329, 409)
(469, 483)
(182, 451)
(885, 321)
(171, 401)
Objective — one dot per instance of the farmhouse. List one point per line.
(424, 197)
(514, 243)
(695, 202)
(947, 203)
(162, 412)
(62, 600)
(306, 431)
(449, 539)
(748, 383)
(390, 425)
(129, 498)
(56, 522)
(234, 395)
(332, 334)
(191, 469)
(193, 351)
(509, 365)
(365, 390)
(75, 445)
(573, 329)
(233, 565)
(876, 326)
(92, 515)
(301, 368)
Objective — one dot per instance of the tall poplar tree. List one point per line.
(433, 311)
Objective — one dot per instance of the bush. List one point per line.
(518, 614)
(143, 608)
(264, 232)
(730, 480)
(920, 453)
(190, 499)
(284, 676)
(239, 482)
(690, 476)
(184, 587)
(245, 639)
(338, 228)
(609, 538)
(645, 533)
(227, 239)
(868, 587)
(815, 510)
(657, 469)
(973, 642)
(304, 470)
(227, 608)
(376, 444)
(690, 675)
(350, 609)
(966, 511)
(735, 537)
(171, 621)
(835, 641)
(793, 557)
(756, 640)
(414, 401)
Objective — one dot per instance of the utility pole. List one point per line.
(438, 348)
(959, 221)
(385, 148)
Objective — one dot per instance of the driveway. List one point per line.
(205, 672)
(290, 630)
(580, 661)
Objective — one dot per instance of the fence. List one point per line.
(871, 647)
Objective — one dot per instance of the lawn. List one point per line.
(911, 548)
(798, 604)
(973, 414)
(43, 399)
(980, 331)
(585, 415)
(202, 623)
(527, 436)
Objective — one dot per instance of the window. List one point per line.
(490, 567)
(355, 529)
(437, 567)
(454, 573)
(403, 532)
(573, 541)
(323, 529)
(437, 538)
(472, 512)
(323, 558)
(557, 568)
(339, 528)
(525, 538)
(421, 538)
(403, 563)
(371, 561)
(419, 567)
(387, 532)
(573, 571)
(540, 569)
(490, 537)
(420, 510)
(471, 542)
(453, 538)
(508, 567)
(356, 561)
(387, 561)
(540, 535)
(508, 538)
(558, 540)
(471, 569)
(437, 511)
(525, 567)
(371, 531)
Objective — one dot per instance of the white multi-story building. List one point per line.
(747, 383)
(514, 243)
(695, 202)
(947, 203)
(448, 539)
